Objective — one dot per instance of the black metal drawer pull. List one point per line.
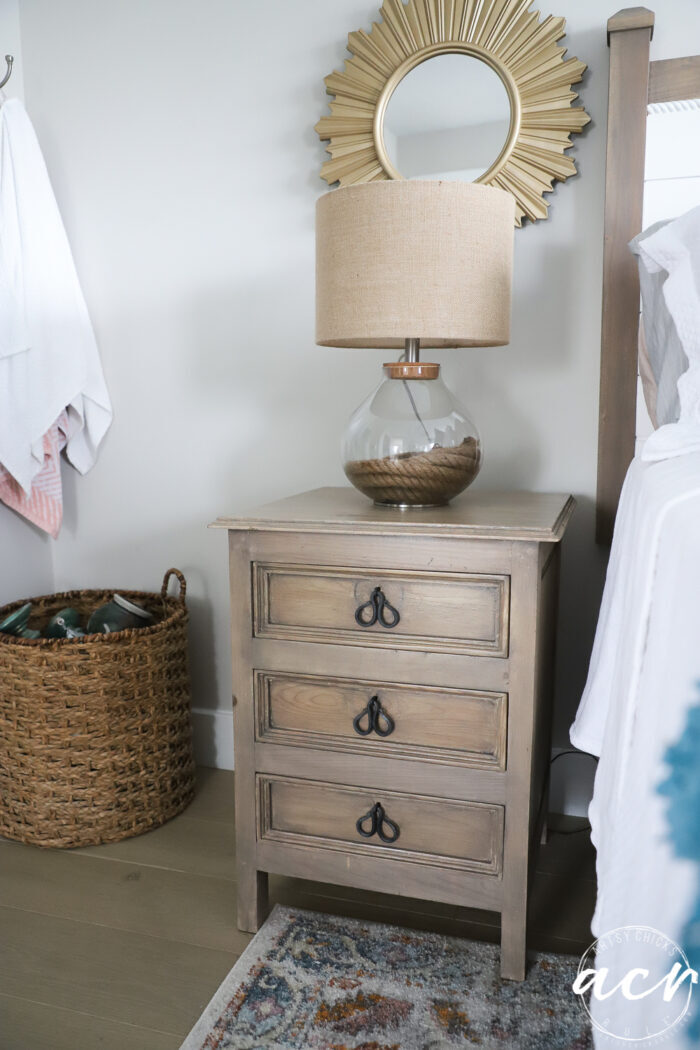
(375, 821)
(377, 610)
(378, 721)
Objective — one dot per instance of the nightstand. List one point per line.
(392, 676)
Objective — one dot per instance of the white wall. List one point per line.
(25, 552)
(181, 145)
(460, 153)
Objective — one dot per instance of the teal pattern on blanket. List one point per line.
(682, 788)
(327, 983)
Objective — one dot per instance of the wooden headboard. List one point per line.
(634, 82)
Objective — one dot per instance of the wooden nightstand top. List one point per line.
(537, 516)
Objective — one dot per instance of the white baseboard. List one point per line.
(213, 738)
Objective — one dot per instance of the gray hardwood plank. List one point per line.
(121, 976)
(200, 847)
(213, 798)
(27, 1025)
(154, 901)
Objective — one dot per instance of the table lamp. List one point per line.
(404, 265)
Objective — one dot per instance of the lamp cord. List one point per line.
(413, 403)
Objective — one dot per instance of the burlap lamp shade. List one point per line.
(414, 259)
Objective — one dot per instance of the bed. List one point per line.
(645, 666)
(634, 83)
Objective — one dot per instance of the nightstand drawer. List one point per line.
(454, 726)
(467, 836)
(394, 609)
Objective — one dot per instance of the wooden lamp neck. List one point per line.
(412, 367)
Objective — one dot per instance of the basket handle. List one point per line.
(182, 581)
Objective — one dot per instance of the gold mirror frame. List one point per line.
(502, 33)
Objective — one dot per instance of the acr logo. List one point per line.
(635, 984)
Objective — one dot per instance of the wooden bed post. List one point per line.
(629, 37)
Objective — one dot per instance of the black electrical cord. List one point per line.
(573, 751)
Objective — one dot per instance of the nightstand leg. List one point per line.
(513, 944)
(252, 899)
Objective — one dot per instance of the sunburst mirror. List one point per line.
(408, 105)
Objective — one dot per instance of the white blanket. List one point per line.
(645, 666)
(643, 677)
(48, 355)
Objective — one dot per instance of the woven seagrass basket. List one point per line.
(95, 733)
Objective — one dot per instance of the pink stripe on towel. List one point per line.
(44, 506)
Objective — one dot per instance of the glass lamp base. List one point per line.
(411, 444)
(409, 506)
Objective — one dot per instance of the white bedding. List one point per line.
(643, 676)
(645, 667)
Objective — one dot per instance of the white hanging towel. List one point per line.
(49, 359)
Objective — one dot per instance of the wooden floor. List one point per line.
(122, 946)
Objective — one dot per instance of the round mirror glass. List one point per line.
(448, 118)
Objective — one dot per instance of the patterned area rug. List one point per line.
(310, 981)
